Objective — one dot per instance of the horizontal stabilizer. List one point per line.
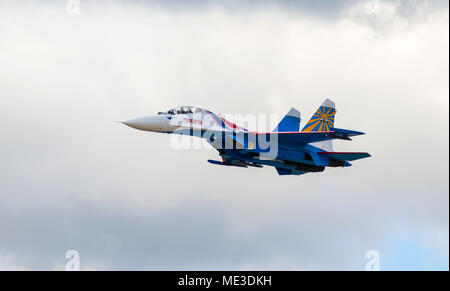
(345, 156)
(345, 133)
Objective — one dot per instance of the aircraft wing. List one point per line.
(305, 137)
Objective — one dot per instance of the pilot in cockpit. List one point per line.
(182, 110)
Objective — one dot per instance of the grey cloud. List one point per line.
(327, 9)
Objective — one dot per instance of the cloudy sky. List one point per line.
(71, 178)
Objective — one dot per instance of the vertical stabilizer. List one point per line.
(290, 122)
(322, 120)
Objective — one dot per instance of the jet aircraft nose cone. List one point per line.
(142, 123)
(148, 123)
(133, 122)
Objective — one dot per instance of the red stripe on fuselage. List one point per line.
(191, 121)
(340, 153)
(291, 132)
(231, 124)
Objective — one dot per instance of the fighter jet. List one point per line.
(289, 150)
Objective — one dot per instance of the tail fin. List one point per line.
(290, 122)
(323, 119)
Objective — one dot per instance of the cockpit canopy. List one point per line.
(182, 110)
